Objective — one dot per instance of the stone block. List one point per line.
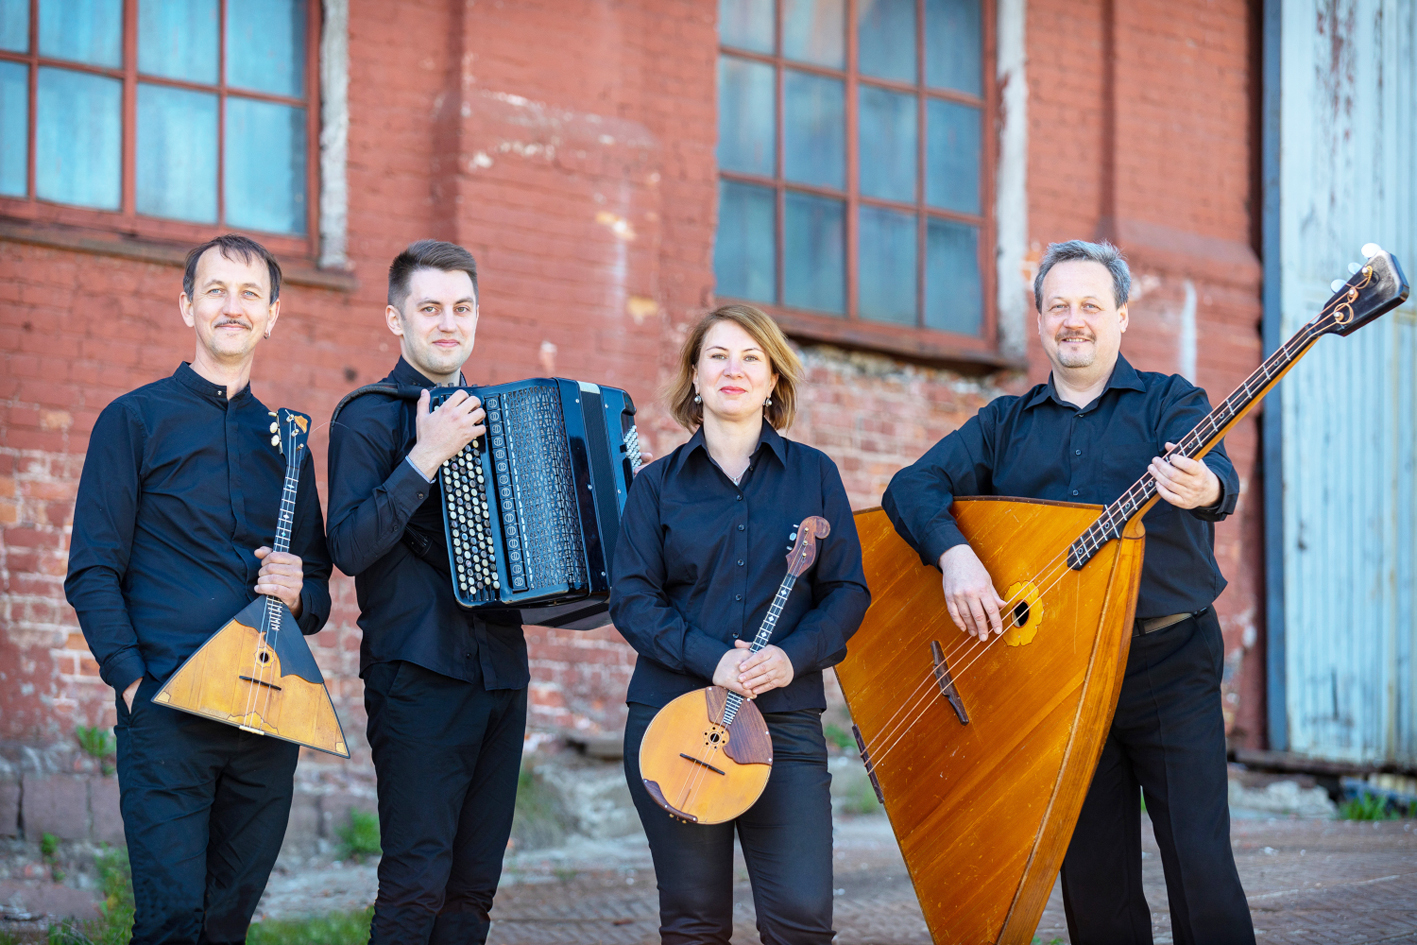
(10, 809)
(304, 826)
(57, 805)
(104, 812)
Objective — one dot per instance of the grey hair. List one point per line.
(1103, 252)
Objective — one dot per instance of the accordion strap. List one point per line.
(387, 388)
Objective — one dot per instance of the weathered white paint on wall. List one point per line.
(334, 135)
(1348, 159)
(1011, 183)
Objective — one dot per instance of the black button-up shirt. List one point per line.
(406, 606)
(1039, 447)
(180, 487)
(699, 561)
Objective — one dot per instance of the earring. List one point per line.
(768, 402)
(698, 399)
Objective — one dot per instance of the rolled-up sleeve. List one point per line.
(372, 496)
(839, 593)
(638, 605)
(105, 514)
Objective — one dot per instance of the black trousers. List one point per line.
(204, 807)
(786, 838)
(1168, 738)
(447, 754)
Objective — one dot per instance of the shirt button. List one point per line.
(740, 528)
(740, 498)
(740, 560)
(1077, 452)
(737, 596)
(420, 495)
(1075, 492)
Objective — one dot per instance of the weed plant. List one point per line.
(1368, 806)
(360, 837)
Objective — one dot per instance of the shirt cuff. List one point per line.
(407, 488)
(409, 460)
(942, 539)
(122, 669)
(1222, 507)
(702, 653)
(801, 652)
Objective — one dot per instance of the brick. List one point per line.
(57, 805)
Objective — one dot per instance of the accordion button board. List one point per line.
(531, 510)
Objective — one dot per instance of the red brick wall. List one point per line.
(569, 144)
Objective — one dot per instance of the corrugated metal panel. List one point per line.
(1347, 165)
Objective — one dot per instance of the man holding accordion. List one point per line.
(445, 689)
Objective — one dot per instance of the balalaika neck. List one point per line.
(284, 524)
(1195, 444)
(735, 701)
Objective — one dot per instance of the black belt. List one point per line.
(1145, 625)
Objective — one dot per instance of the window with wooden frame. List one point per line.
(855, 170)
(161, 118)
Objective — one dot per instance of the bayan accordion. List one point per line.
(532, 509)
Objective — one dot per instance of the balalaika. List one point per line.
(531, 511)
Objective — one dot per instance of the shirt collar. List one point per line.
(768, 436)
(199, 385)
(1124, 377)
(408, 375)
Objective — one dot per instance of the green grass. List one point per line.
(1368, 806)
(861, 798)
(340, 928)
(839, 737)
(99, 743)
(360, 837)
(114, 925)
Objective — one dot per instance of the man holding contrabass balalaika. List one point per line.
(180, 499)
(1082, 437)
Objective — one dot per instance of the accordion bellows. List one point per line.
(531, 511)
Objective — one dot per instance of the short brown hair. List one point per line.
(781, 358)
(428, 254)
(233, 247)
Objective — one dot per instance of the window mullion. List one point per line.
(314, 18)
(853, 193)
(128, 203)
(221, 115)
(33, 126)
(779, 162)
(920, 159)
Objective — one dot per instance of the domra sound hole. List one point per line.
(1021, 613)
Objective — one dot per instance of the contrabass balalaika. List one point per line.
(982, 751)
(531, 511)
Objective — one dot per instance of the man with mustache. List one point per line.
(1085, 436)
(177, 507)
(445, 690)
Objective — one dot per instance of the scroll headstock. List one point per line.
(291, 432)
(804, 552)
(1376, 288)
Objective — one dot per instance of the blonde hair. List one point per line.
(781, 359)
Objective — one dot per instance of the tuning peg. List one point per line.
(275, 427)
(1353, 268)
(1336, 284)
(1370, 250)
(275, 440)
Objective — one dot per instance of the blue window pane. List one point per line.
(178, 39)
(952, 149)
(814, 253)
(888, 144)
(954, 299)
(744, 262)
(954, 45)
(746, 24)
(814, 133)
(885, 37)
(265, 46)
(264, 166)
(815, 31)
(176, 153)
(14, 127)
(886, 266)
(78, 139)
(15, 25)
(88, 31)
(747, 139)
